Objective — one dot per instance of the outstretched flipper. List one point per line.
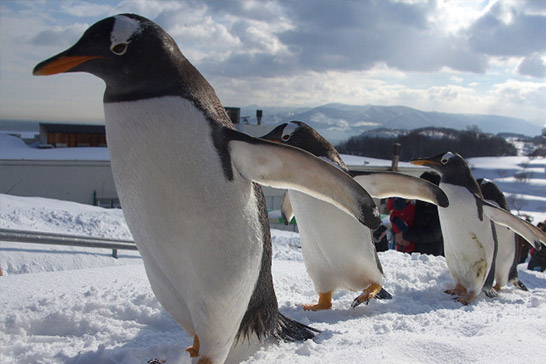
(286, 209)
(529, 232)
(391, 184)
(281, 166)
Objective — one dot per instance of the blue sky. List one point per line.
(483, 57)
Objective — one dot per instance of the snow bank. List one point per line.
(90, 308)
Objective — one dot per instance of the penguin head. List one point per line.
(453, 169)
(492, 192)
(300, 135)
(134, 56)
(445, 163)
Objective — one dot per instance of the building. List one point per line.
(60, 135)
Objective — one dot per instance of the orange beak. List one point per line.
(60, 65)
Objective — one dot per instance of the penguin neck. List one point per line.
(465, 180)
(178, 78)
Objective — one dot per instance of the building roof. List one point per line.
(73, 128)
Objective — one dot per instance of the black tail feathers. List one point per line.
(289, 330)
(383, 295)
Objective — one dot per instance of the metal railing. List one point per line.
(35, 237)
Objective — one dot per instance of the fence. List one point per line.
(34, 237)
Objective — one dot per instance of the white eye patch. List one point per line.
(446, 157)
(124, 29)
(288, 130)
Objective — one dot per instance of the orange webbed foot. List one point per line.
(324, 303)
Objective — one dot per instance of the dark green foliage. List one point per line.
(429, 141)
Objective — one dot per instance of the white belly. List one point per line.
(337, 250)
(199, 234)
(505, 254)
(468, 242)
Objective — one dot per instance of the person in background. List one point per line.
(402, 214)
(425, 232)
(538, 257)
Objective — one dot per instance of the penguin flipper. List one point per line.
(287, 212)
(391, 184)
(285, 167)
(529, 232)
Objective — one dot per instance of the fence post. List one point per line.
(395, 157)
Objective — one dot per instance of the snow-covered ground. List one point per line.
(76, 305)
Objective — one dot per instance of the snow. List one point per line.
(76, 305)
(14, 148)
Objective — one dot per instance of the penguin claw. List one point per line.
(357, 302)
(491, 292)
(194, 349)
(519, 285)
(367, 295)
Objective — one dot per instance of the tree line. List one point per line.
(427, 142)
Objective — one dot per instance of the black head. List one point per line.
(453, 169)
(300, 135)
(492, 192)
(136, 59)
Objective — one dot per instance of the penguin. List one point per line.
(339, 253)
(469, 243)
(507, 258)
(189, 185)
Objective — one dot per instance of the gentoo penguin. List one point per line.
(466, 225)
(187, 183)
(507, 258)
(338, 252)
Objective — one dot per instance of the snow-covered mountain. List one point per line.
(338, 122)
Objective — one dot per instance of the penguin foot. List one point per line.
(194, 349)
(491, 292)
(204, 360)
(459, 290)
(324, 303)
(466, 298)
(497, 287)
(156, 361)
(519, 284)
(368, 294)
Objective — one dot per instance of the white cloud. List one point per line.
(443, 55)
(533, 65)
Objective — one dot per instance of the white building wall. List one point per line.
(60, 179)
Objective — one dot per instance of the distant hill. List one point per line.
(338, 122)
(427, 141)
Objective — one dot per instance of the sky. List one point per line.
(481, 57)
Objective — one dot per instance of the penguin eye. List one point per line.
(285, 137)
(444, 160)
(119, 48)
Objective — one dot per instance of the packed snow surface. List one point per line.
(77, 305)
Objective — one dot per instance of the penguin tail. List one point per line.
(289, 330)
(383, 295)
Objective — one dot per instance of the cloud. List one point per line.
(533, 66)
(59, 36)
(509, 29)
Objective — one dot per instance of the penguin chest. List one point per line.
(199, 234)
(337, 249)
(505, 255)
(468, 241)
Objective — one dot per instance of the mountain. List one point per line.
(338, 122)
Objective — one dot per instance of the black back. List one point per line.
(299, 134)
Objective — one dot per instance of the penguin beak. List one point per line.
(425, 162)
(60, 63)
